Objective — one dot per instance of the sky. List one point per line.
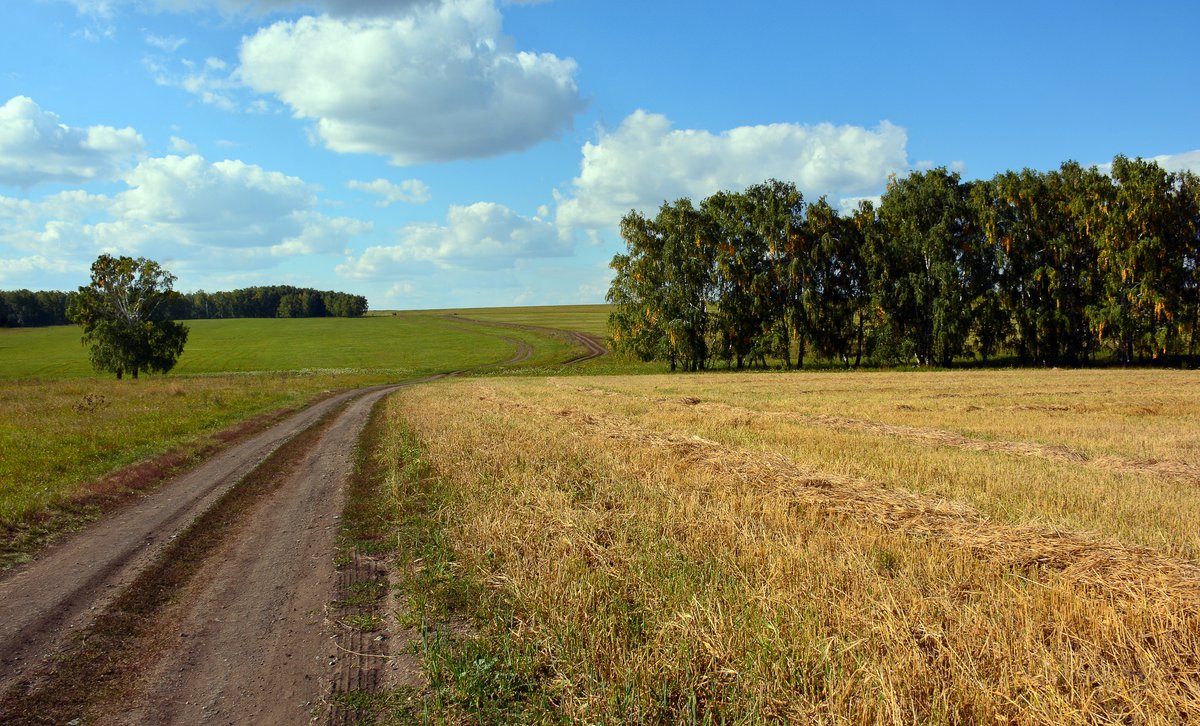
(467, 153)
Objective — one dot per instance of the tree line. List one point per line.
(23, 308)
(1066, 267)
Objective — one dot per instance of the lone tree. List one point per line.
(125, 314)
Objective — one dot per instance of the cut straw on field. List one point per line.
(1176, 470)
(654, 574)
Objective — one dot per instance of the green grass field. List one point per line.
(592, 319)
(64, 425)
(399, 346)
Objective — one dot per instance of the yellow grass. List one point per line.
(789, 547)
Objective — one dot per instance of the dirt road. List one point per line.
(42, 602)
(260, 599)
(245, 642)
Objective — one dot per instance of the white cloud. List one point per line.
(481, 236)
(57, 224)
(24, 267)
(35, 147)
(185, 211)
(211, 81)
(266, 7)
(227, 204)
(1185, 161)
(95, 8)
(439, 84)
(183, 146)
(849, 205)
(411, 191)
(222, 204)
(400, 289)
(166, 43)
(320, 234)
(646, 161)
(106, 8)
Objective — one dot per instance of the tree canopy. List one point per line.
(125, 316)
(1065, 267)
(23, 308)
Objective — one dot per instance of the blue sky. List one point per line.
(455, 153)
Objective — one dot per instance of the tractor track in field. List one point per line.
(246, 640)
(592, 345)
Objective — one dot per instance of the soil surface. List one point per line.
(248, 643)
(247, 639)
(44, 601)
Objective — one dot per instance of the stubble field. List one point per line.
(978, 547)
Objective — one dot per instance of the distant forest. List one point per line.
(24, 309)
(1067, 267)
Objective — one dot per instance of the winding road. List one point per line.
(247, 642)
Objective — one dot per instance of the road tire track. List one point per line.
(248, 642)
(592, 345)
(43, 601)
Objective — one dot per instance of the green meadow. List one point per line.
(403, 345)
(591, 319)
(63, 425)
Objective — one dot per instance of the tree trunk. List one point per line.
(1192, 341)
(858, 352)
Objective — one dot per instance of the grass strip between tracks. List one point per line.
(448, 629)
(459, 632)
(101, 660)
(369, 524)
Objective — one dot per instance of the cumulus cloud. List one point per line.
(481, 236)
(34, 265)
(1185, 161)
(266, 7)
(36, 147)
(226, 204)
(58, 225)
(320, 234)
(411, 191)
(439, 84)
(107, 8)
(182, 209)
(646, 161)
(183, 146)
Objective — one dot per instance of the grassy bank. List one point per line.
(861, 548)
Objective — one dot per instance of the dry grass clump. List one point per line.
(659, 575)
